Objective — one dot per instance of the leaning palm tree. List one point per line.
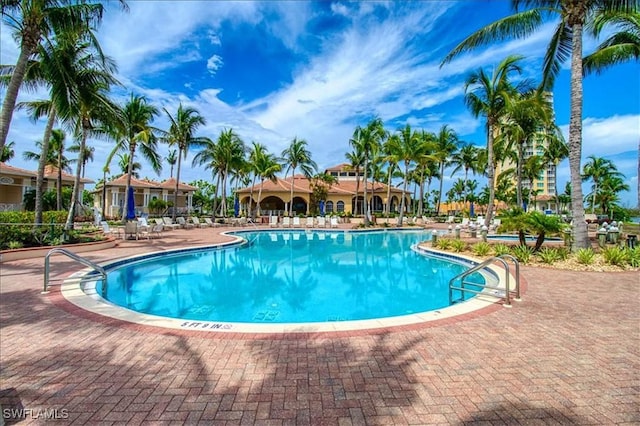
(181, 133)
(566, 43)
(228, 156)
(621, 46)
(33, 21)
(598, 169)
(297, 155)
(555, 150)
(486, 95)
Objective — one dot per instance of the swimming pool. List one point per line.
(289, 277)
(529, 238)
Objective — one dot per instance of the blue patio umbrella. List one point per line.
(471, 210)
(131, 205)
(236, 206)
(321, 207)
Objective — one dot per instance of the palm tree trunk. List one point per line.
(580, 237)
(366, 204)
(125, 205)
(293, 174)
(59, 183)
(355, 212)
(104, 192)
(215, 197)
(421, 191)
(76, 183)
(9, 103)
(41, 165)
(404, 190)
(440, 191)
(388, 206)
(260, 197)
(466, 191)
(490, 174)
(253, 183)
(519, 176)
(555, 187)
(175, 194)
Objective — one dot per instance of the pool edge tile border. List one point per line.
(73, 299)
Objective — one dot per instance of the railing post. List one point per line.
(45, 290)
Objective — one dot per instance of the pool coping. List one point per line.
(77, 291)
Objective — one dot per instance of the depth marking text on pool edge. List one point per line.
(210, 325)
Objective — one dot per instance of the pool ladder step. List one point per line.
(499, 292)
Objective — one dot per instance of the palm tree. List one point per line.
(128, 167)
(531, 169)
(181, 134)
(32, 21)
(408, 147)
(297, 155)
(446, 144)
(608, 194)
(621, 46)
(134, 131)
(265, 166)
(85, 156)
(389, 148)
(598, 169)
(356, 161)
(7, 152)
(566, 42)
(465, 158)
(172, 159)
(555, 150)
(228, 156)
(486, 95)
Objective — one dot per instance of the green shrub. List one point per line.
(585, 256)
(481, 249)
(522, 253)
(549, 255)
(614, 256)
(458, 245)
(633, 257)
(500, 249)
(15, 245)
(563, 253)
(444, 243)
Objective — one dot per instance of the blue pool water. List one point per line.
(529, 238)
(289, 276)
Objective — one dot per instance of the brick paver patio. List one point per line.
(568, 354)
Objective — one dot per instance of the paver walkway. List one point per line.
(568, 354)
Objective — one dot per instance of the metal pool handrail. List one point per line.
(482, 265)
(73, 256)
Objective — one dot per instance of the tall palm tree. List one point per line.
(172, 159)
(389, 149)
(85, 156)
(608, 194)
(465, 158)
(356, 161)
(128, 167)
(182, 135)
(486, 95)
(446, 144)
(555, 150)
(621, 46)
(134, 132)
(32, 21)
(408, 148)
(265, 166)
(598, 169)
(566, 43)
(228, 156)
(297, 155)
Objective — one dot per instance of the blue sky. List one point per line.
(276, 70)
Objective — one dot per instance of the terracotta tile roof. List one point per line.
(7, 169)
(50, 172)
(147, 183)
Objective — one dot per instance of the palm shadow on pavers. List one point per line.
(162, 378)
(318, 379)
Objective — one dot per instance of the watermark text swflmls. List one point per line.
(35, 414)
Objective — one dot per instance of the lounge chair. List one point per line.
(198, 224)
(168, 223)
(183, 223)
(273, 221)
(450, 219)
(309, 222)
(465, 223)
(322, 222)
(155, 230)
(286, 222)
(108, 230)
(131, 230)
(143, 225)
(296, 222)
(211, 223)
(334, 222)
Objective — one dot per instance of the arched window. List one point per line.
(340, 206)
(329, 206)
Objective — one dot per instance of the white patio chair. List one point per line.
(334, 222)
(322, 222)
(309, 222)
(296, 222)
(286, 222)
(273, 221)
(168, 223)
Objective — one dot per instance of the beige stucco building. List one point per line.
(144, 190)
(15, 182)
(341, 197)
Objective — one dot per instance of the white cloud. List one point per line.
(214, 63)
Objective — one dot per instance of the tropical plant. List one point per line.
(481, 249)
(585, 256)
(7, 152)
(549, 255)
(555, 150)
(598, 169)
(297, 155)
(172, 159)
(614, 256)
(500, 249)
(523, 253)
(458, 246)
(181, 134)
(566, 43)
(84, 156)
(446, 144)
